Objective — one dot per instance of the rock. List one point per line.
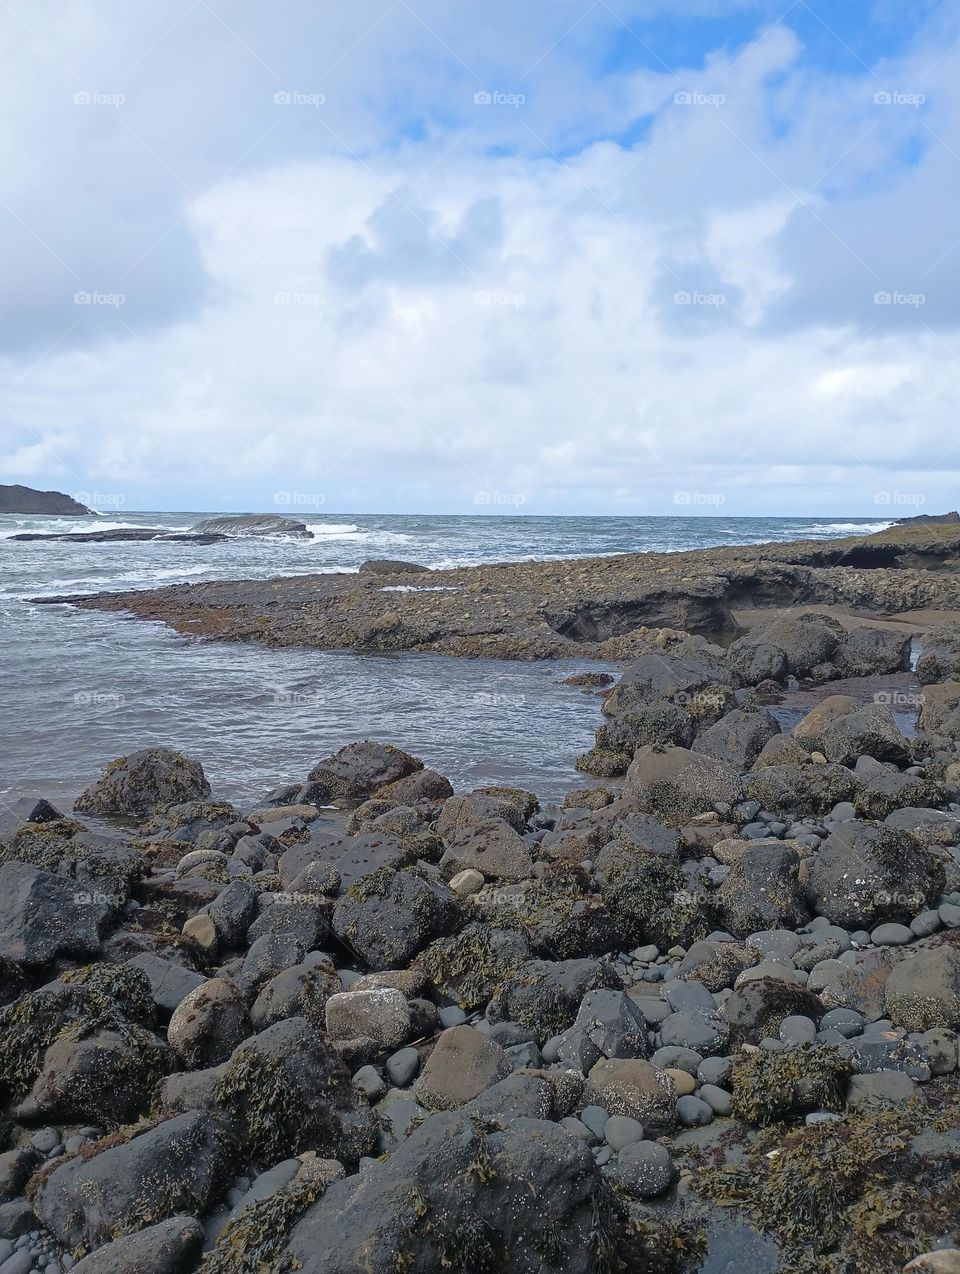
(883, 789)
(941, 710)
(756, 1010)
(861, 986)
(751, 661)
(462, 1065)
(621, 1130)
(232, 912)
(415, 789)
(169, 982)
(800, 790)
(167, 1248)
(923, 991)
(16, 1168)
(469, 966)
(608, 1024)
(43, 916)
(494, 849)
(467, 882)
(865, 873)
(209, 1023)
(382, 1015)
(940, 660)
(739, 737)
(106, 1078)
(546, 995)
(869, 731)
(144, 782)
(29, 501)
(389, 916)
(871, 652)
(931, 826)
(357, 770)
(389, 566)
(693, 1113)
(806, 639)
(252, 524)
(544, 1182)
(302, 990)
(181, 1163)
(781, 750)
(714, 964)
(762, 890)
(202, 932)
(884, 1088)
(402, 1067)
(943, 1261)
(645, 1169)
(635, 1088)
(676, 785)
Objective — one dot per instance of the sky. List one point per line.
(482, 256)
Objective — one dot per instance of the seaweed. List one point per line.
(773, 1086)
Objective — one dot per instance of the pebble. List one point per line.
(843, 812)
(369, 1081)
(926, 923)
(718, 1099)
(715, 1070)
(621, 1130)
(595, 1118)
(452, 1015)
(949, 914)
(684, 1059)
(20, 1263)
(693, 1113)
(402, 1066)
(683, 1081)
(798, 1030)
(847, 1021)
(45, 1140)
(891, 935)
(647, 953)
(573, 1126)
(646, 1168)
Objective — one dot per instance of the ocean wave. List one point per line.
(334, 528)
(64, 526)
(863, 528)
(144, 576)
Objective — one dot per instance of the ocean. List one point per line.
(79, 688)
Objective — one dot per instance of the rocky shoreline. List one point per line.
(599, 607)
(704, 1014)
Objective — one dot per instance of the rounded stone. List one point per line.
(891, 935)
(683, 1081)
(595, 1118)
(718, 1099)
(645, 1168)
(403, 1066)
(621, 1130)
(798, 1030)
(715, 1070)
(693, 1113)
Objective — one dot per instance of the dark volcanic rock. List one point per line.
(167, 1248)
(252, 524)
(389, 916)
(43, 916)
(762, 891)
(390, 566)
(545, 995)
(940, 660)
(26, 500)
(144, 782)
(677, 785)
(357, 770)
(739, 737)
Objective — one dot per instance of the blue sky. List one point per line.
(605, 256)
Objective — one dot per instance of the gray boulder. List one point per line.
(462, 1065)
(144, 782)
(762, 891)
(870, 652)
(739, 737)
(389, 916)
(676, 785)
(167, 1248)
(43, 916)
(940, 660)
(357, 770)
(870, 731)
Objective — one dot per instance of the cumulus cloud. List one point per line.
(443, 258)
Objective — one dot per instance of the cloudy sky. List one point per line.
(584, 256)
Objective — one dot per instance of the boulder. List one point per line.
(869, 731)
(170, 982)
(167, 1248)
(751, 660)
(143, 783)
(390, 566)
(469, 966)
(179, 1165)
(800, 790)
(494, 849)
(739, 737)
(252, 524)
(869, 652)
(923, 991)
(676, 785)
(806, 639)
(545, 996)
(636, 1088)
(302, 990)
(941, 710)
(357, 770)
(608, 1024)
(381, 1014)
(940, 660)
(43, 916)
(389, 916)
(811, 728)
(462, 1065)
(209, 1023)
(480, 1201)
(865, 873)
(756, 1010)
(762, 890)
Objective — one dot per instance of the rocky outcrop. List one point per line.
(144, 782)
(26, 500)
(252, 524)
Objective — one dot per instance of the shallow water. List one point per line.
(81, 687)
